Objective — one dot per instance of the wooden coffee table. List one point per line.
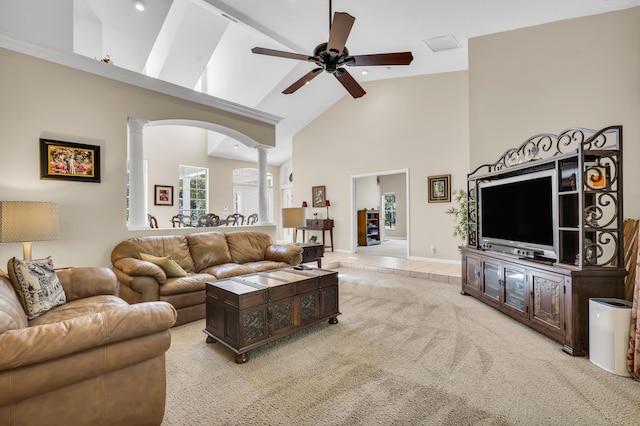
(249, 311)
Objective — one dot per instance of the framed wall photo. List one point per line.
(163, 195)
(69, 161)
(318, 196)
(439, 189)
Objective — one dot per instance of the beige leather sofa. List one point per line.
(95, 360)
(205, 256)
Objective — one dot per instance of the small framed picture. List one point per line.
(164, 195)
(69, 161)
(439, 189)
(597, 177)
(318, 196)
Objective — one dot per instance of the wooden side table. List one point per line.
(312, 252)
(319, 225)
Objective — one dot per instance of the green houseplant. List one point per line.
(460, 213)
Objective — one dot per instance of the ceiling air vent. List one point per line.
(442, 43)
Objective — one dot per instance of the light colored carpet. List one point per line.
(405, 352)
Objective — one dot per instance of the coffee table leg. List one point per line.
(241, 358)
(333, 320)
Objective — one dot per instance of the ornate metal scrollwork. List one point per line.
(594, 172)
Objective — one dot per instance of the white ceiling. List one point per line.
(181, 41)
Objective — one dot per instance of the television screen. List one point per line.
(520, 211)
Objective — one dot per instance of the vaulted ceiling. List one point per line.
(206, 44)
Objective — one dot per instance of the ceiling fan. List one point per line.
(333, 55)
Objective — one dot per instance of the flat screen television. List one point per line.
(518, 215)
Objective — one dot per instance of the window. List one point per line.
(193, 191)
(389, 203)
(245, 192)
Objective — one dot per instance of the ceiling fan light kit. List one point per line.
(333, 55)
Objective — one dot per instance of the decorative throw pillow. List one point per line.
(168, 265)
(36, 284)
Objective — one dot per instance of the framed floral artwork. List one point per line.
(439, 189)
(69, 161)
(163, 195)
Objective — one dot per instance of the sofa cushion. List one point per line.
(12, 316)
(247, 246)
(266, 265)
(168, 265)
(228, 270)
(36, 284)
(79, 308)
(167, 245)
(208, 249)
(188, 284)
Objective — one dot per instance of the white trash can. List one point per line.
(609, 325)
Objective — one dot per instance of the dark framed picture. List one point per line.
(597, 177)
(318, 196)
(440, 189)
(69, 161)
(163, 195)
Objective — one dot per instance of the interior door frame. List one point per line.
(354, 212)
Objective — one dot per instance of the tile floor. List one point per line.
(435, 271)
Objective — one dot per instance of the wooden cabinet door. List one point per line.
(547, 301)
(516, 290)
(472, 278)
(492, 282)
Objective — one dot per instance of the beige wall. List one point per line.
(417, 123)
(43, 99)
(168, 147)
(577, 73)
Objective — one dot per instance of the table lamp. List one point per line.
(294, 217)
(27, 221)
(327, 204)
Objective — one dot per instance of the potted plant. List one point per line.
(460, 213)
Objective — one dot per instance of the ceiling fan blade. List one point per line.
(301, 82)
(349, 83)
(398, 58)
(340, 29)
(281, 54)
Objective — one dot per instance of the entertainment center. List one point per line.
(545, 229)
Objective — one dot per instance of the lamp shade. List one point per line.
(294, 217)
(22, 221)
(327, 203)
(304, 204)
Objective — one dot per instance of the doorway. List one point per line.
(374, 191)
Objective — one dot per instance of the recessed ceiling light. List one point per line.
(365, 72)
(236, 146)
(139, 5)
(439, 44)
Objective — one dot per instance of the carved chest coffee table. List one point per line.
(248, 311)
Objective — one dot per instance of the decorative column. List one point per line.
(137, 203)
(262, 184)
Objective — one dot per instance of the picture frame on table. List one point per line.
(69, 161)
(439, 189)
(163, 195)
(319, 196)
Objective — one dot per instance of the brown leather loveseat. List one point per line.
(94, 360)
(200, 257)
